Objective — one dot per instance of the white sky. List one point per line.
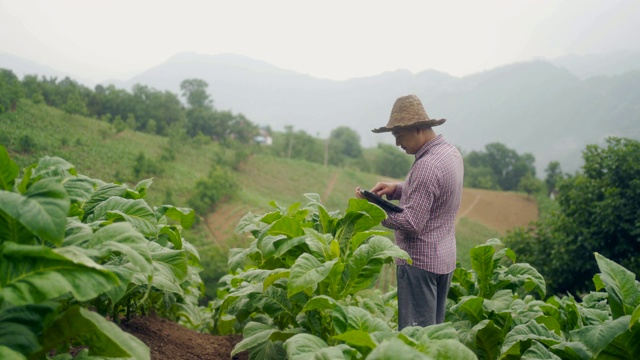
(117, 39)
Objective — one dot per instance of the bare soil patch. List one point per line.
(169, 340)
(498, 210)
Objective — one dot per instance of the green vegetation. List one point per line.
(501, 168)
(70, 244)
(598, 211)
(303, 289)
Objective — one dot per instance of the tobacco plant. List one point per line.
(70, 244)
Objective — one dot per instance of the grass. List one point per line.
(99, 152)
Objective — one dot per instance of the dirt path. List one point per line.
(462, 212)
(501, 211)
(330, 185)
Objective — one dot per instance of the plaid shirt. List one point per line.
(430, 196)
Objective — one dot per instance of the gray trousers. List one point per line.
(422, 296)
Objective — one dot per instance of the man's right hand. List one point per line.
(384, 188)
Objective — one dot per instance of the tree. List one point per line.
(506, 166)
(392, 162)
(530, 185)
(599, 211)
(554, 176)
(344, 143)
(195, 92)
(10, 90)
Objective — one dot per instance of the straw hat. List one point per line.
(408, 113)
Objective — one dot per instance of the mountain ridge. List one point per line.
(535, 106)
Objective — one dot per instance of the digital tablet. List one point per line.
(387, 205)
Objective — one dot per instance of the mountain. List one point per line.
(22, 67)
(538, 107)
(590, 65)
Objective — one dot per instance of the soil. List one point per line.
(171, 341)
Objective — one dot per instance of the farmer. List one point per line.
(430, 196)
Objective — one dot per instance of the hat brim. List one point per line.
(419, 124)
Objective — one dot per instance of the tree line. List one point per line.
(143, 109)
(163, 113)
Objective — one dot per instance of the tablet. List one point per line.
(387, 205)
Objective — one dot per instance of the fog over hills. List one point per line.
(551, 109)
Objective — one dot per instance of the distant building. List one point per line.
(264, 138)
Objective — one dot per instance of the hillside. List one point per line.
(97, 151)
(551, 109)
(537, 107)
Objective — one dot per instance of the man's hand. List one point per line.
(384, 188)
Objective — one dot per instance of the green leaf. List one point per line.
(169, 268)
(42, 210)
(307, 346)
(526, 332)
(103, 337)
(53, 167)
(538, 351)
(21, 326)
(597, 337)
(634, 317)
(79, 188)
(33, 274)
(393, 349)
(185, 216)
(525, 275)
(483, 264)
(256, 336)
(321, 303)
(9, 170)
(307, 272)
(447, 349)
(136, 212)
(471, 306)
(620, 284)
(489, 337)
(357, 338)
(103, 193)
(122, 238)
(366, 263)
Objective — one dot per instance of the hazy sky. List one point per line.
(117, 39)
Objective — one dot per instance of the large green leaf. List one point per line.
(489, 337)
(185, 216)
(620, 284)
(21, 326)
(104, 192)
(446, 349)
(525, 333)
(396, 349)
(367, 261)
(263, 339)
(103, 337)
(42, 210)
(169, 268)
(9, 170)
(33, 274)
(482, 263)
(307, 272)
(124, 239)
(135, 212)
(9, 354)
(356, 338)
(309, 347)
(597, 337)
(53, 167)
(538, 351)
(525, 275)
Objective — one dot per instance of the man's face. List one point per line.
(408, 140)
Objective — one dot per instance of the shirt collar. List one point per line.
(439, 139)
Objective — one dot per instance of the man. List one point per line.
(430, 196)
